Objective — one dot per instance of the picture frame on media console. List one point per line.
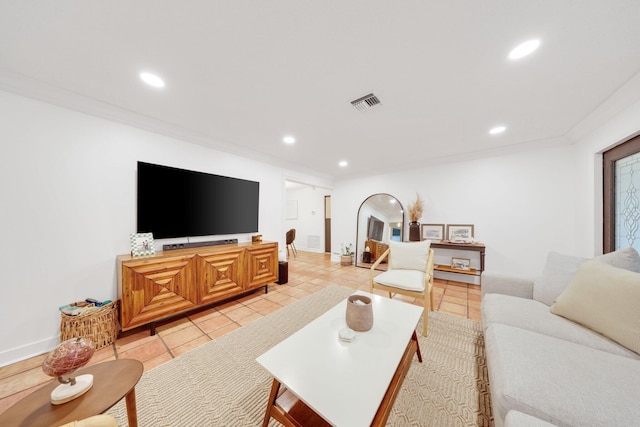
(142, 244)
(460, 233)
(432, 231)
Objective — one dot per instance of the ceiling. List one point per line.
(240, 75)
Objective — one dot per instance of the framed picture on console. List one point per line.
(142, 244)
(460, 233)
(463, 264)
(432, 231)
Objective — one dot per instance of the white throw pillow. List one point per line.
(557, 274)
(560, 269)
(627, 258)
(409, 255)
(605, 299)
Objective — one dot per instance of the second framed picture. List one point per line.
(432, 231)
(460, 233)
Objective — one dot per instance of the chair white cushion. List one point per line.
(409, 255)
(410, 280)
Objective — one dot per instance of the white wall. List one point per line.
(522, 205)
(68, 188)
(310, 219)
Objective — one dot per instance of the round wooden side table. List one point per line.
(112, 381)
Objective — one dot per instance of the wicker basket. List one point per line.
(99, 325)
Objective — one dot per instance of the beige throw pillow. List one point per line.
(605, 299)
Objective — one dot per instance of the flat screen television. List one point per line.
(176, 202)
(375, 229)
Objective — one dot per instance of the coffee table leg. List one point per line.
(132, 413)
(272, 401)
(415, 338)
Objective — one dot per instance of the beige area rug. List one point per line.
(221, 384)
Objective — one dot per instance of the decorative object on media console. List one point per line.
(142, 244)
(415, 213)
(62, 362)
(359, 313)
(256, 238)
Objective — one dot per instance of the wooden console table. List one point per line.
(476, 247)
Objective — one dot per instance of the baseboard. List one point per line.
(18, 354)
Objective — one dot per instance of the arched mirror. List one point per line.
(380, 220)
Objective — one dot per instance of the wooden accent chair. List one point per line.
(410, 273)
(291, 236)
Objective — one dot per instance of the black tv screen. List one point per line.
(375, 229)
(176, 202)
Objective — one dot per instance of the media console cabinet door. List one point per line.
(156, 287)
(219, 275)
(262, 265)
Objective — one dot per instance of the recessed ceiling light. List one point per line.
(498, 129)
(152, 80)
(343, 163)
(524, 49)
(289, 140)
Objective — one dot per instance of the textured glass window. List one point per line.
(627, 202)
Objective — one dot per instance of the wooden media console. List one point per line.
(156, 287)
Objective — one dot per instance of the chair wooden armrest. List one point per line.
(373, 267)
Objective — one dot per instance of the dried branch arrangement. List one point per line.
(415, 209)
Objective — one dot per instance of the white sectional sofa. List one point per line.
(547, 369)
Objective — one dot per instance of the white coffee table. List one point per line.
(346, 384)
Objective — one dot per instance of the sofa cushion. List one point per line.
(409, 255)
(627, 258)
(559, 271)
(557, 274)
(558, 381)
(537, 317)
(604, 298)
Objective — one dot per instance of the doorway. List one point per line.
(327, 224)
(308, 211)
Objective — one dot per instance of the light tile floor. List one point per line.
(308, 273)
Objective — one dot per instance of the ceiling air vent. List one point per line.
(366, 102)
